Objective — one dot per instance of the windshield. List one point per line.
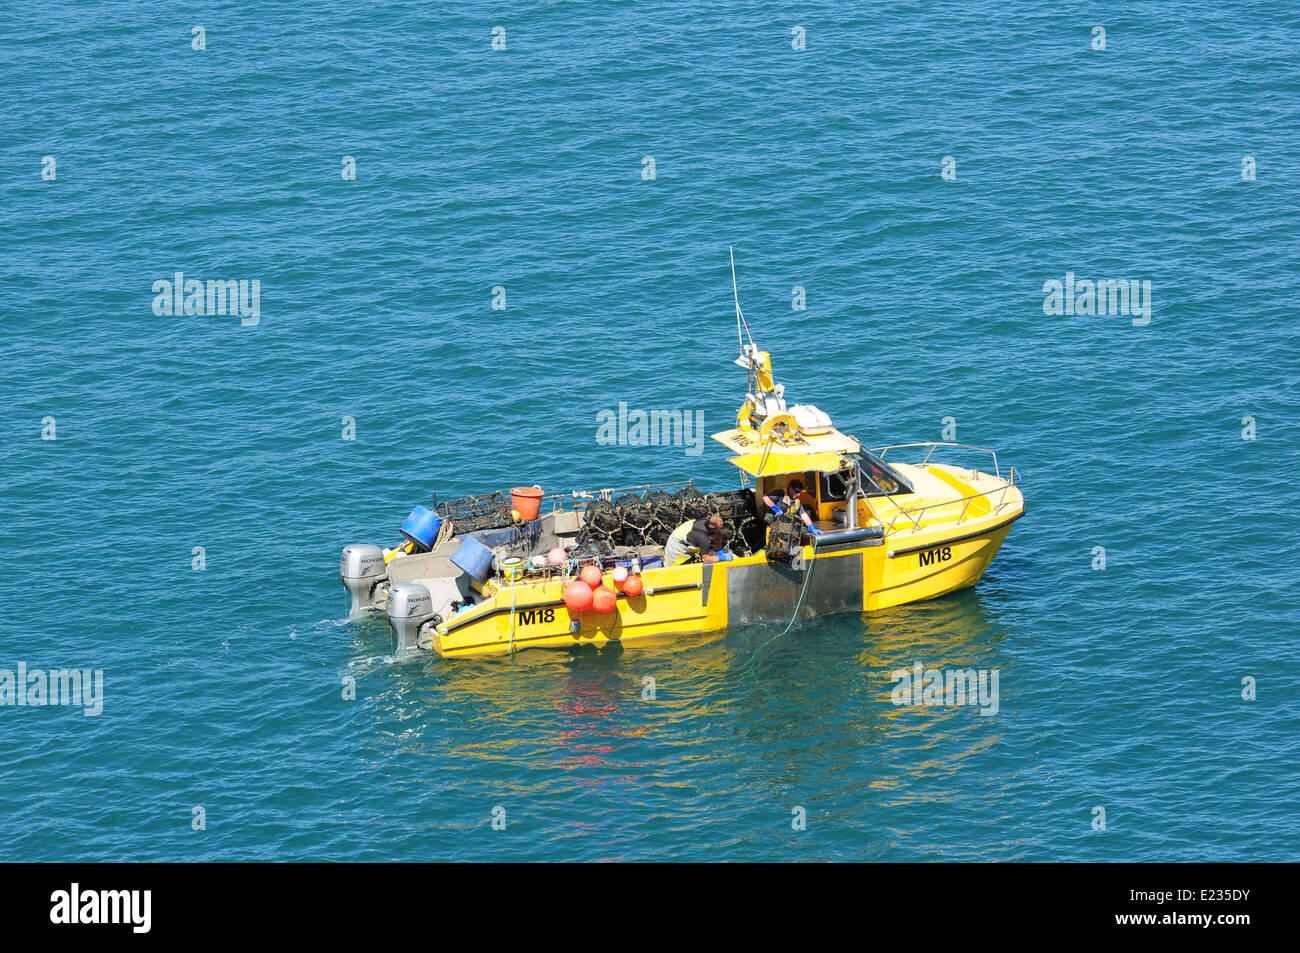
(878, 477)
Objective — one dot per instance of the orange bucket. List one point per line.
(527, 500)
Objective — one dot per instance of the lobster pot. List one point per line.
(784, 539)
(473, 557)
(473, 513)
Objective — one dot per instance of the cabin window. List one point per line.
(835, 487)
(879, 478)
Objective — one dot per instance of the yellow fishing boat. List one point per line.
(493, 574)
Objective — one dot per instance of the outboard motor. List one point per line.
(360, 570)
(410, 606)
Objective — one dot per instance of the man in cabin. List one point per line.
(702, 536)
(788, 502)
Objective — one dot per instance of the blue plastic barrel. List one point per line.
(421, 528)
(473, 557)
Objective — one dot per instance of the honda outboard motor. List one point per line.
(361, 569)
(410, 606)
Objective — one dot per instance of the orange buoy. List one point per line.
(604, 600)
(590, 575)
(577, 596)
(632, 586)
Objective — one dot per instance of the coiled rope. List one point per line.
(444, 534)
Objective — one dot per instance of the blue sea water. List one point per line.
(525, 169)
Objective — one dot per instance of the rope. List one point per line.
(530, 533)
(807, 577)
(771, 442)
(513, 597)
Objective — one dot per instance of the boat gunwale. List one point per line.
(944, 541)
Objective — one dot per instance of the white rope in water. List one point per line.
(807, 577)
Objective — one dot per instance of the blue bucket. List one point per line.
(421, 528)
(473, 557)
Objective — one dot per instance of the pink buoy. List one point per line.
(556, 556)
(577, 596)
(604, 600)
(620, 574)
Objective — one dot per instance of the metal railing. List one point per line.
(915, 514)
(581, 498)
(881, 451)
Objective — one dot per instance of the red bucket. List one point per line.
(527, 500)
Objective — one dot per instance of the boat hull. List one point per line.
(857, 576)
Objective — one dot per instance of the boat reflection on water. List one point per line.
(955, 631)
(820, 662)
(743, 722)
(837, 670)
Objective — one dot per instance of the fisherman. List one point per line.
(788, 502)
(702, 536)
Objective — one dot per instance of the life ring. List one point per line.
(771, 425)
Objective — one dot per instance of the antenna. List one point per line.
(740, 317)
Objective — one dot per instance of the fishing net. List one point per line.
(473, 513)
(694, 504)
(604, 517)
(633, 520)
(638, 519)
(591, 546)
(784, 538)
(665, 521)
(649, 520)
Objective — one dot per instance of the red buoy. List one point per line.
(604, 600)
(577, 596)
(632, 586)
(590, 575)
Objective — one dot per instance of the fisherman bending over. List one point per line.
(702, 536)
(788, 502)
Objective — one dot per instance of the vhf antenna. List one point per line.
(740, 317)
